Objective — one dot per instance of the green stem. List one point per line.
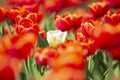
(89, 63)
(119, 67)
(28, 66)
(6, 24)
(25, 69)
(89, 68)
(110, 61)
(110, 64)
(105, 73)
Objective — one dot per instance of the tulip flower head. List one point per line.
(112, 18)
(98, 9)
(55, 37)
(2, 14)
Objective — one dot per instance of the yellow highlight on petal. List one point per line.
(53, 42)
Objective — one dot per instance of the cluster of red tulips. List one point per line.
(42, 40)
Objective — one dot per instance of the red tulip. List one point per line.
(83, 36)
(107, 36)
(20, 2)
(71, 3)
(68, 54)
(114, 3)
(28, 22)
(13, 12)
(43, 56)
(112, 18)
(7, 73)
(53, 5)
(18, 46)
(98, 9)
(115, 53)
(86, 42)
(34, 7)
(66, 22)
(2, 14)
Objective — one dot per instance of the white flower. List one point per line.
(55, 37)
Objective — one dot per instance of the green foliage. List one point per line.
(101, 66)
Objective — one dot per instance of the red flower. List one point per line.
(40, 15)
(66, 21)
(20, 30)
(30, 17)
(72, 20)
(68, 54)
(2, 14)
(26, 18)
(66, 58)
(71, 3)
(112, 18)
(28, 22)
(7, 73)
(58, 5)
(107, 36)
(53, 5)
(84, 36)
(98, 9)
(86, 42)
(13, 12)
(20, 2)
(114, 3)
(43, 56)
(115, 53)
(32, 7)
(18, 46)
(9, 66)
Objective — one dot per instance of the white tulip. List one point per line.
(55, 37)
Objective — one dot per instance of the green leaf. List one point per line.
(49, 25)
(1, 30)
(71, 36)
(42, 42)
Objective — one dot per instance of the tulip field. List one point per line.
(59, 39)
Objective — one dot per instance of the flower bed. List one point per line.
(60, 40)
